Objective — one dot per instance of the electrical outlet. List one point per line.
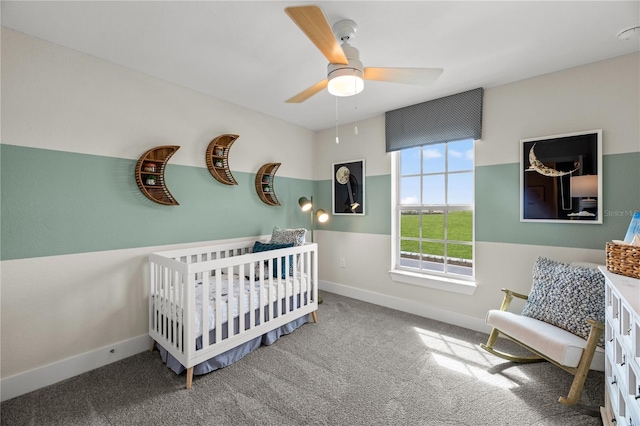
(343, 263)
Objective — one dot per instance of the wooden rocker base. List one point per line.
(512, 358)
(580, 372)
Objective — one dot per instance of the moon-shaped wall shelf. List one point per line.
(150, 174)
(264, 183)
(218, 158)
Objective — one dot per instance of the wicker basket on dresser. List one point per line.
(622, 350)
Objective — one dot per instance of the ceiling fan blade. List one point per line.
(314, 24)
(421, 76)
(307, 93)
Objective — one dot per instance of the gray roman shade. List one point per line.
(445, 119)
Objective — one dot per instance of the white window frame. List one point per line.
(421, 277)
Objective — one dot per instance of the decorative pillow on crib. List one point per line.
(260, 247)
(285, 236)
(566, 296)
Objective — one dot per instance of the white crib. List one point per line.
(250, 294)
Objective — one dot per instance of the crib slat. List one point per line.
(298, 274)
(302, 279)
(170, 285)
(309, 277)
(290, 282)
(230, 302)
(295, 282)
(204, 319)
(167, 300)
(264, 291)
(161, 302)
(187, 316)
(157, 302)
(152, 298)
(163, 291)
(160, 299)
(241, 304)
(285, 283)
(314, 273)
(252, 294)
(275, 305)
(165, 284)
(218, 305)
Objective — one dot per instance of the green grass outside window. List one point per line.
(459, 228)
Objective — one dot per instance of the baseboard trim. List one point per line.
(22, 383)
(421, 309)
(29, 381)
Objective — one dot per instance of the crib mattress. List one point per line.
(275, 290)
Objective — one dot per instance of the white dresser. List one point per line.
(622, 344)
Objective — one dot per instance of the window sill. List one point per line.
(434, 281)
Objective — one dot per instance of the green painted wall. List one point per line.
(57, 203)
(498, 207)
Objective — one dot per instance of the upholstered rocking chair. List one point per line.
(562, 321)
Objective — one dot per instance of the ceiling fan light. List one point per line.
(346, 79)
(345, 82)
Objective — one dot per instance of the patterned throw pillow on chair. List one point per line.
(566, 296)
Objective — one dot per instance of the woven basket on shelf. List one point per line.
(623, 259)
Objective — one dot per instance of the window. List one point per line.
(434, 202)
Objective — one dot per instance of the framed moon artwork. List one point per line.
(348, 188)
(561, 178)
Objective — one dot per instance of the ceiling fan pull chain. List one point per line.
(355, 129)
(337, 139)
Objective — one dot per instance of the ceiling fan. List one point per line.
(345, 72)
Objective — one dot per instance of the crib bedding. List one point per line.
(232, 355)
(275, 289)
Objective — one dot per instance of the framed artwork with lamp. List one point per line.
(561, 178)
(348, 188)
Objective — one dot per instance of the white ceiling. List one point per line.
(252, 54)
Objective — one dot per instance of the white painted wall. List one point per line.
(602, 95)
(60, 99)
